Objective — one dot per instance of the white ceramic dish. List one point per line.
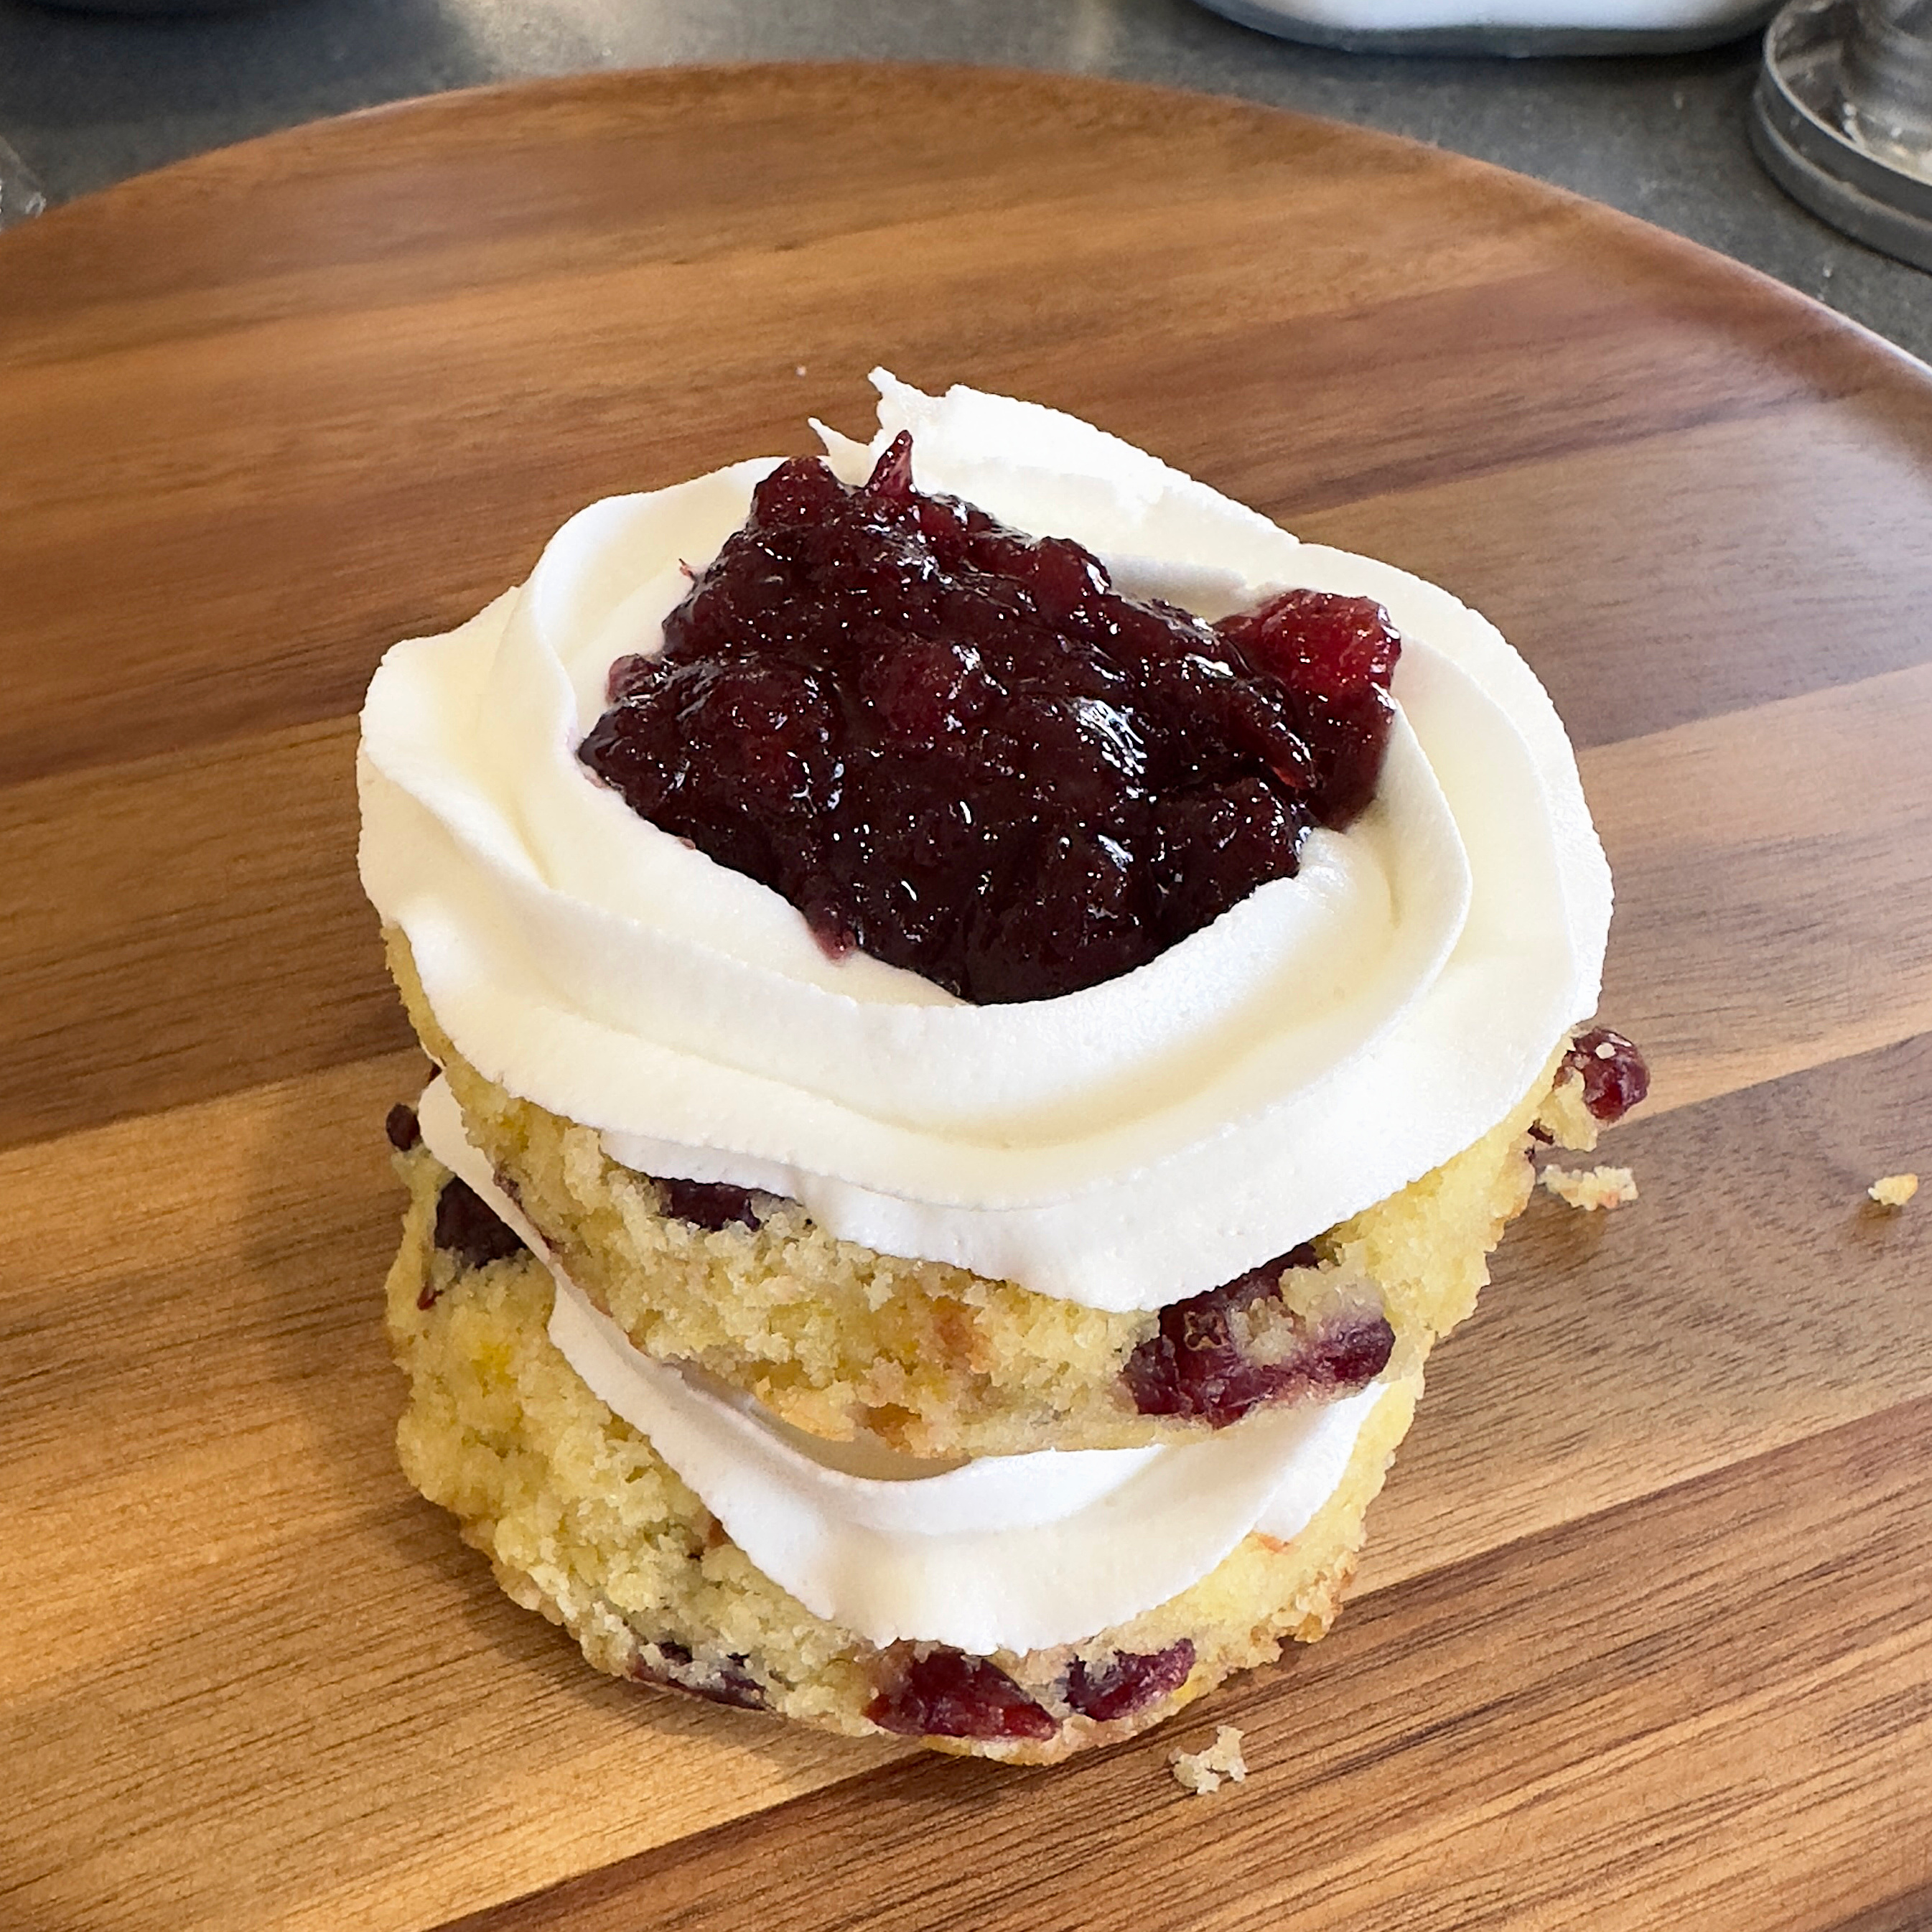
(1513, 27)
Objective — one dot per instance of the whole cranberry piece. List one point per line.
(1615, 1076)
(803, 492)
(712, 1204)
(467, 1227)
(1130, 1681)
(1195, 1366)
(1338, 655)
(1333, 648)
(946, 1694)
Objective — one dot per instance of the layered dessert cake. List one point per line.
(991, 1006)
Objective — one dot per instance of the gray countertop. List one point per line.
(86, 99)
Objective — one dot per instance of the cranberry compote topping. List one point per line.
(957, 748)
(946, 1694)
(1614, 1077)
(467, 1227)
(1130, 1681)
(1337, 654)
(1195, 1366)
(709, 1204)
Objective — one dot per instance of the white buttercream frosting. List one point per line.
(1318, 1046)
(1004, 1552)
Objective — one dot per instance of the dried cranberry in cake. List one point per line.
(1218, 1355)
(712, 1204)
(673, 1666)
(1130, 1681)
(946, 1694)
(402, 1127)
(1614, 1077)
(467, 1227)
(958, 748)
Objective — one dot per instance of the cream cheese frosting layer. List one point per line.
(1013, 1553)
(1318, 1046)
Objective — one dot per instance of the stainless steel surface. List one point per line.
(89, 98)
(1842, 117)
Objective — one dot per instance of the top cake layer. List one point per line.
(1324, 1042)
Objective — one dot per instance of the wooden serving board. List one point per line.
(1643, 1638)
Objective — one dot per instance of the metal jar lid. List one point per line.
(1842, 117)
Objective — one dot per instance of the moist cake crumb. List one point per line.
(1590, 1188)
(1029, 781)
(1201, 1771)
(1894, 1190)
(582, 1520)
(848, 1343)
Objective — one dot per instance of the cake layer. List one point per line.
(1003, 1374)
(1318, 1047)
(584, 1520)
(1011, 1552)
(926, 1359)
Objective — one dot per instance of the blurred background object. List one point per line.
(1517, 28)
(1842, 117)
(154, 6)
(20, 194)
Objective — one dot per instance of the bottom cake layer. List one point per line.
(582, 1520)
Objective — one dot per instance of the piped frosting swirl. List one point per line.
(1328, 1040)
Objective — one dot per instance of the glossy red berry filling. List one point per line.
(1614, 1074)
(946, 1694)
(958, 749)
(1202, 1364)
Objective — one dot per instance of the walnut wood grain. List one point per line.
(1775, 592)
(1761, 1631)
(1642, 1639)
(222, 1323)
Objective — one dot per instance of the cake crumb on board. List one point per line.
(1894, 1190)
(1590, 1188)
(1201, 1771)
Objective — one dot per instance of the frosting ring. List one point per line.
(1322, 1044)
